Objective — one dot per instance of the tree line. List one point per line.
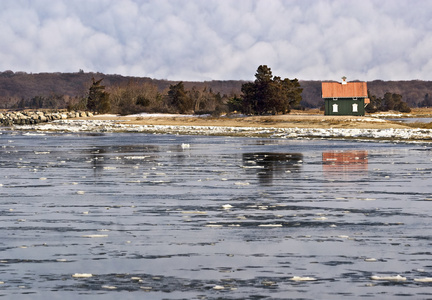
(267, 94)
(390, 101)
(137, 97)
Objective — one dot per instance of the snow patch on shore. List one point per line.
(115, 126)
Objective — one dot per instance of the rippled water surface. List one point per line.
(127, 216)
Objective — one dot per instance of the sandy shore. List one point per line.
(279, 121)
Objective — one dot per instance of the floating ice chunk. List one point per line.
(253, 167)
(136, 157)
(424, 279)
(43, 178)
(185, 146)
(197, 212)
(95, 235)
(389, 278)
(213, 225)
(82, 275)
(218, 287)
(241, 183)
(300, 278)
(61, 260)
(370, 259)
(109, 287)
(320, 218)
(227, 206)
(343, 236)
(270, 225)
(80, 192)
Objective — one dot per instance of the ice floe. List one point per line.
(299, 278)
(425, 279)
(109, 287)
(82, 275)
(218, 287)
(95, 235)
(389, 278)
(370, 259)
(115, 126)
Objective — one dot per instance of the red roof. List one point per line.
(348, 90)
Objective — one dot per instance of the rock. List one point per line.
(34, 117)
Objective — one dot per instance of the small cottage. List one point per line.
(345, 98)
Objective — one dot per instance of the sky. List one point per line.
(199, 40)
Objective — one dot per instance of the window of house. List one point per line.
(335, 107)
(355, 107)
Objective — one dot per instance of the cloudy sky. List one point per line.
(220, 39)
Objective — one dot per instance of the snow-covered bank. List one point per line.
(113, 126)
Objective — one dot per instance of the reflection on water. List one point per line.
(268, 165)
(345, 163)
(114, 216)
(100, 156)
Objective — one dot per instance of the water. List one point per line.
(192, 217)
(412, 120)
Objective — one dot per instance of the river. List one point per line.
(131, 215)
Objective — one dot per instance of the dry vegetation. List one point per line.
(302, 119)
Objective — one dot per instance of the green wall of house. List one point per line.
(345, 107)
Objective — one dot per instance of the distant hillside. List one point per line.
(412, 91)
(20, 85)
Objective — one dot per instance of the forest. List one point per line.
(124, 95)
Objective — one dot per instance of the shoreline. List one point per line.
(292, 126)
(113, 126)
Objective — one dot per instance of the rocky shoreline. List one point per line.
(35, 117)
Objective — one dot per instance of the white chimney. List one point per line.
(344, 80)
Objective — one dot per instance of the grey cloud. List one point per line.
(220, 39)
